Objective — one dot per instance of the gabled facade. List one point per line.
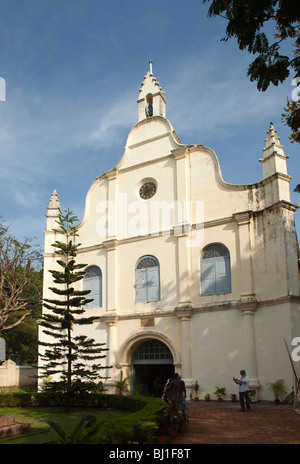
(188, 272)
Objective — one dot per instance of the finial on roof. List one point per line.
(151, 93)
(272, 138)
(274, 159)
(150, 65)
(54, 201)
(53, 211)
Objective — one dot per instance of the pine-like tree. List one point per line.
(68, 357)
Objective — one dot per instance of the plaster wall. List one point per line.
(211, 337)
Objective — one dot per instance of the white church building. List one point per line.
(188, 273)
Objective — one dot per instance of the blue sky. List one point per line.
(73, 70)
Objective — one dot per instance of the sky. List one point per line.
(72, 71)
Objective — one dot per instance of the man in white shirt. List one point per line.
(243, 383)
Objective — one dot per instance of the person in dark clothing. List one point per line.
(177, 394)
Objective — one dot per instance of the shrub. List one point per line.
(139, 426)
(15, 399)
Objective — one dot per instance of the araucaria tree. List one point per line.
(69, 357)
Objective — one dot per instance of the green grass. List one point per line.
(23, 389)
(38, 417)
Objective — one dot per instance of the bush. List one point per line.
(137, 427)
(14, 400)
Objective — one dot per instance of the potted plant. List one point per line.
(121, 384)
(164, 421)
(252, 394)
(177, 421)
(233, 397)
(207, 397)
(277, 388)
(161, 438)
(220, 392)
(196, 386)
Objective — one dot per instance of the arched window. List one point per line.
(215, 270)
(149, 105)
(93, 281)
(152, 352)
(147, 285)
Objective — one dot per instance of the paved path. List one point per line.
(223, 423)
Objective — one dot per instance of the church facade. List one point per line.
(188, 273)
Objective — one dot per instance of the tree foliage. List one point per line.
(22, 340)
(250, 22)
(20, 279)
(68, 355)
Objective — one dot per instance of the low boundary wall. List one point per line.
(12, 375)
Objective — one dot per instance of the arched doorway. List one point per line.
(152, 364)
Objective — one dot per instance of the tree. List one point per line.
(22, 340)
(70, 358)
(20, 282)
(246, 18)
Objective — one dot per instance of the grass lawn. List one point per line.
(38, 417)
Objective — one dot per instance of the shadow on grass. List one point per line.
(38, 417)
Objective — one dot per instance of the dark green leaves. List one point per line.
(65, 354)
(262, 27)
(268, 70)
